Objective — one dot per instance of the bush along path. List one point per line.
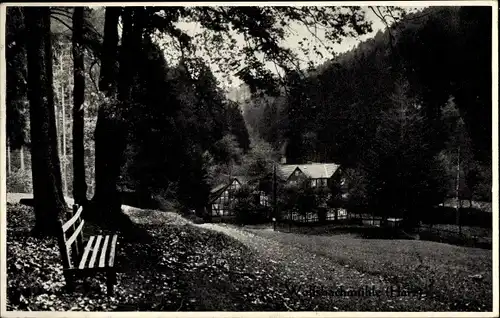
(189, 268)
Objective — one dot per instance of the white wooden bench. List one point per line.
(84, 259)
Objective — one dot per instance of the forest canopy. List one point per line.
(158, 125)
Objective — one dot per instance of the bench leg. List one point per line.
(110, 281)
(114, 277)
(70, 284)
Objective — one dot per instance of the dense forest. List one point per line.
(404, 110)
(328, 181)
(104, 112)
(181, 125)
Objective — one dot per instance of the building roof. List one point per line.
(242, 179)
(311, 170)
(287, 170)
(216, 191)
(219, 187)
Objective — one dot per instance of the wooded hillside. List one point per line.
(407, 106)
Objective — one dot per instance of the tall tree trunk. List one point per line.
(108, 140)
(79, 183)
(457, 190)
(112, 128)
(63, 146)
(126, 71)
(9, 164)
(47, 191)
(107, 76)
(21, 157)
(109, 149)
(58, 127)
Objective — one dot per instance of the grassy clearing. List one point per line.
(459, 277)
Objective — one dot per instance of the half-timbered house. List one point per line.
(318, 175)
(222, 198)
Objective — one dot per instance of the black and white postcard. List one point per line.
(249, 158)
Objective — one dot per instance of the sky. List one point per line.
(228, 81)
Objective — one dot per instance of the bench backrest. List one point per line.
(71, 237)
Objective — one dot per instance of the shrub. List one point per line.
(448, 215)
(303, 199)
(19, 181)
(164, 200)
(246, 209)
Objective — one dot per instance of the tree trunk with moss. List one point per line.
(107, 146)
(112, 128)
(79, 183)
(49, 201)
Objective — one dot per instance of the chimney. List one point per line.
(283, 160)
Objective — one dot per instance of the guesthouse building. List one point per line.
(222, 198)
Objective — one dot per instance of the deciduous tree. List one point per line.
(262, 27)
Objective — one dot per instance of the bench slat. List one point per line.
(103, 253)
(112, 252)
(86, 252)
(79, 238)
(94, 253)
(74, 235)
(70, 222)
(63, 249)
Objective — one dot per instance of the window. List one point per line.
(314, 183)
(297, 173)
(264, 199)
(330, 215)
(215, 209)
(324, 182)
(235, 185)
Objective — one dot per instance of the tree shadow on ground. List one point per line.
(104, 222)
(116, 222)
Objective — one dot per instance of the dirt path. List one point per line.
(369, 264)
(302, 264)
(14, 198)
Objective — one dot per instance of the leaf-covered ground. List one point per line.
(185, 267)
(442, 277)
(460, 278)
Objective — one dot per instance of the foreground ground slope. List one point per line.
(184, 267)
(457, 277)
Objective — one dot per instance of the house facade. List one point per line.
(222, 199)
(317, 175)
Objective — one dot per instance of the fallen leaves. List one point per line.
(188, 268)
